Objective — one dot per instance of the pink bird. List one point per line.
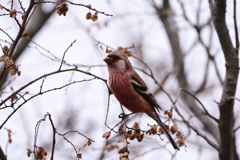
(131, 91)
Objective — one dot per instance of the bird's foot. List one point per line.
(124, 116)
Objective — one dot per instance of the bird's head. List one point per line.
(117, 62)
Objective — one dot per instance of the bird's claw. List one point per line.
(123, 116)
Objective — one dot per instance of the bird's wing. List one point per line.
(139, 86)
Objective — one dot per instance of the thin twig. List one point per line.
(65, 53)
(235, 24)
(7, 34)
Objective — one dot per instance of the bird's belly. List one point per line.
(128, 97)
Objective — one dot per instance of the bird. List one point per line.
(131, 91)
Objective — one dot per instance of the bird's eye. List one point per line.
(116, 57)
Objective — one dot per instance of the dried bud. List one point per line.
(84, 145)
(132, 136)
(122, 150)
(119, 48)
(170, 114)
(128, 133)
(120, 128)
(6, 49)
(140, 137)
(44, 152)
(128, 53)
(107, 50)
(89, 15)
(137, 133)
(9, 131)
(89, 142)
(180, 142)
(9, 140)
(89, 6)
(166, 112)
(95, 16)
(62, 9)
(1, 7)
(153, 130)
(124, 50)
(174, 128)
(160, 131)
(13, 13)
(136, 125)
(25, 35)
(29, 153)
(4, 58)
(106, 134)
(123, 157)
(39, 153)
(178, 134)
(79, 155)
(166, 126)
(23, 17)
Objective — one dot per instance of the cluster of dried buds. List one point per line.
(62, 9)
(123, 153)
(134, 134)
(124, 50)
(10, 64)
(40, 153)
(110, 147)
(13, 13)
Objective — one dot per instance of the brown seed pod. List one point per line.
(166, 126)
(106, 134)
(89, 15)
(136, 125)
(128, 133)
(12, 13)
(120, 128)
(29, 153)
(170, 114)
(132, 136)
(178, 134)
(180, 142)
(95, 16)
(160, 131)
(166, 112)
(174, 128)
(140, 137)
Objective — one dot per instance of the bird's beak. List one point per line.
(108, 60)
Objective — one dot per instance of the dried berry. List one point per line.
(106, 134)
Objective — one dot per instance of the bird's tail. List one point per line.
(167, 134)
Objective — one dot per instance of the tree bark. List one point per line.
(227, 148)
